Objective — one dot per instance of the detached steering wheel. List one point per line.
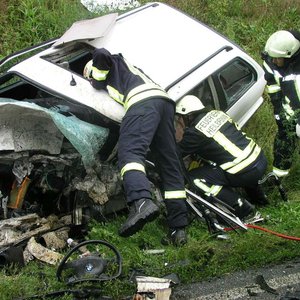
(90, 267)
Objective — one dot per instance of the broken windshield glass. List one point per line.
(39, 128)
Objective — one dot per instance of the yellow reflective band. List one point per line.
(271, 89)
(113, 93)
(145, 95)
(280, 173)
(132, 167)
(275, 73)
(175, 194)
(291, 77)
(141, 88)
(267, 67)
(289, 112)
(99, 75)
(297, 86)
(242, 155)
(277, 76)
(208, 190)
(245, 163)
(223, 141)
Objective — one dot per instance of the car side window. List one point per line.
(203, 92)
(235, 79)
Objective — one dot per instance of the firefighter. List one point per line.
(282, 72)
(148, 123)
(229, 159)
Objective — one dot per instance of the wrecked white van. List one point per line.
(53, 106)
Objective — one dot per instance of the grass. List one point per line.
(248, 23)
(203, 257)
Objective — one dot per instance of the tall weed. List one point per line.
(29, 22)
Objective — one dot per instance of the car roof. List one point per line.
(164, 42)
(161, 40)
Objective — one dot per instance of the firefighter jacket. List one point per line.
(216, 138)
(283, 84)
(124, 83)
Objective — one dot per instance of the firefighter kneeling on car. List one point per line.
(229, 159)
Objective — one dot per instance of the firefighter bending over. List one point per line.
(229, 159)
(282, 73)
(148, 122)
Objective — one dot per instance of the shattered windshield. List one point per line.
(43, 129)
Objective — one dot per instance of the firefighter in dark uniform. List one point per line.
(282, 73)
(229, 158)
(148, 123)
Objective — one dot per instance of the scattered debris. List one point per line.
(155, 251)
(14, 231)
(251, 293)
(42, 253)
(56, 240)
(155, 288)
(17, 238)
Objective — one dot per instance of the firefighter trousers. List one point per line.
(150, 125)
(212, 180)
(284, 142)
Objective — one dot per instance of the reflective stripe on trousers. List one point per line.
(150, 124)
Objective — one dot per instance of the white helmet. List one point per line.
(188, 104)
(87, 71)
(282, 44)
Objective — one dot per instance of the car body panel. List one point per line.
(81, 92)
(87, 29)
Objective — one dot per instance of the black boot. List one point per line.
(256, 195)
(176, 237)
(140, 212)
(243, 209)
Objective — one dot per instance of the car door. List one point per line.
(232, 88)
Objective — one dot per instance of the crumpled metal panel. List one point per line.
(88, 29)
(25, 128)
(159, 287)
(42, 253)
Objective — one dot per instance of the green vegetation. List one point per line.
(249, 23)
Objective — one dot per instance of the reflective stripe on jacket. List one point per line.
(216, 138)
